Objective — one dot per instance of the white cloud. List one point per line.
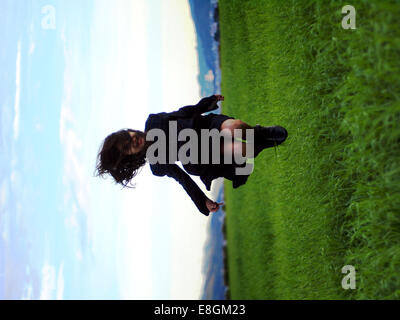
(79, 254)
(5, 222)
(209, 76)
(75, 179)
(129, 89)
(71, 221)
(27, 292)
(3, 194)
(4, 214)
(7, 114)
(52, 284)
(179, 64)
(60, 282)
(32, 44)
(32, 47)
(134, 243)
(18, 212)
(75, 175)
(38, 126)
(189, 233)
(17, 92)
(180, 87)
(48, 285)
(124, 72)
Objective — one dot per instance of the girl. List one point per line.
(123, 152)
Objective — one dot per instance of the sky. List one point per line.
(71, 73)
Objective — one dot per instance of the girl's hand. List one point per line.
(219, 97)
(213, 206)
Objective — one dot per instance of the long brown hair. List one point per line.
(113, 159)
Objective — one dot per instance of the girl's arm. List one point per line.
(191, 188)
(205, 105)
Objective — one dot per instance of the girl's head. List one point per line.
(121, 155)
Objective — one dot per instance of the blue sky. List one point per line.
(102, 66)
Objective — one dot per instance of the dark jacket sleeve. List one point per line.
(204, 105)
(191, 188)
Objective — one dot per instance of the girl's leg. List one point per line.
(235, 147)
(264, 137)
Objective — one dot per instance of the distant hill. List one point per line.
(205, 17)
(215, 260)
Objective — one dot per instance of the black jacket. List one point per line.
(186, 117)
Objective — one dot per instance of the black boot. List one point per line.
(267, 137)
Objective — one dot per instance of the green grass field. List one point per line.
(330, 197)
